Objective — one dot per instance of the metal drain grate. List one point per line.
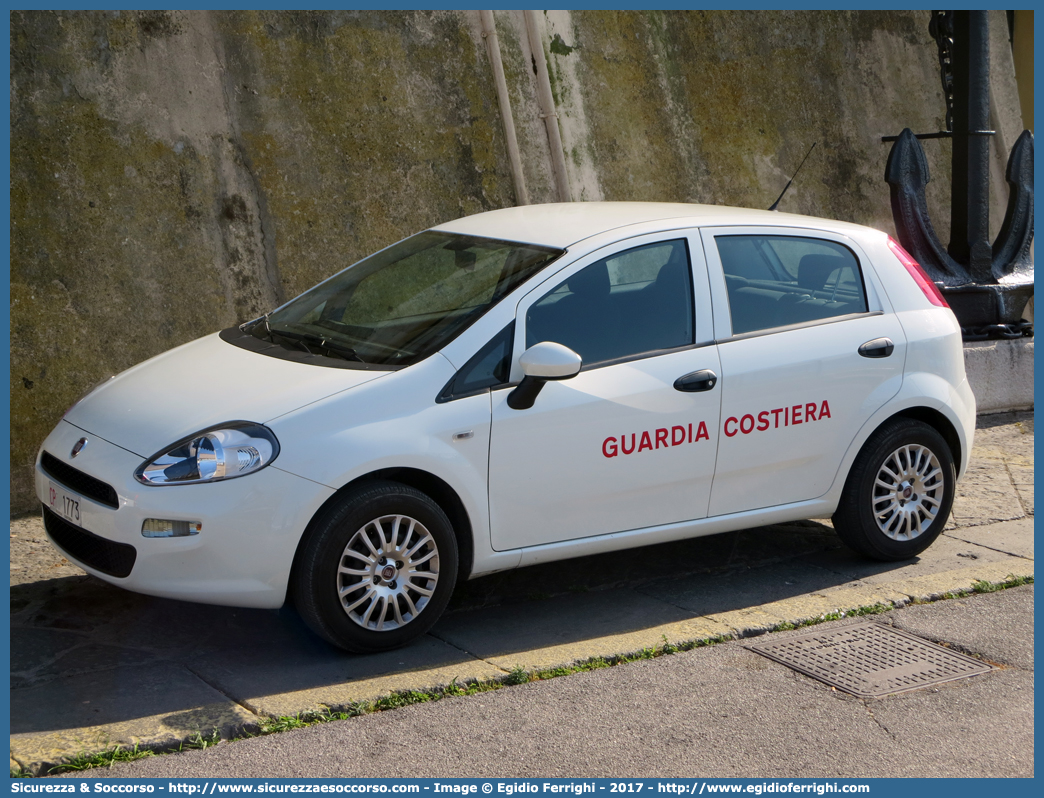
(870, 659)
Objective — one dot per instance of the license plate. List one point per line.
(66, 504)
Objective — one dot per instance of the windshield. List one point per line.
(404, 303)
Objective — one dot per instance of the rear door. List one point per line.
(793, 309)
(617, 447)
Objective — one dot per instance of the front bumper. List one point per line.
(242, 555)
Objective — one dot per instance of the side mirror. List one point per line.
(540, 363)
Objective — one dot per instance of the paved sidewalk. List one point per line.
(93, 666)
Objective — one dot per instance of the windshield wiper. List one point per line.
(250, 326)
(304, 339)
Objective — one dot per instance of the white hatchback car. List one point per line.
(517, 387)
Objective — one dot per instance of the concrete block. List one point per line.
(560, 631)
(1012, 537)
(1001, 374)
(338, 695)
(934, 586)
(815, 605)
(986, 494)
(276, 679)
(156, 706)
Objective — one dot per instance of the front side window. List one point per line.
(406, 302)
(776, 281)
(632, 302)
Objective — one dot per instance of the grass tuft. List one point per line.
(835, 615)
(982, 586)
(518, 675)
(201, 743)
(104, 759)
(120, 753)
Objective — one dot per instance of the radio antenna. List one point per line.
(775, 205)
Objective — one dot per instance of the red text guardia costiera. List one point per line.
(743, 425)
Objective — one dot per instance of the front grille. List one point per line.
(107, 556)
(76, 480)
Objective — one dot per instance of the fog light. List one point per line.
(158, 528)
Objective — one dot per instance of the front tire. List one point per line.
(899, 492)
(377, 569)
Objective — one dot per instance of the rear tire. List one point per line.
(377, 569)
(899, 493)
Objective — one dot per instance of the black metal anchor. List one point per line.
(987, 285)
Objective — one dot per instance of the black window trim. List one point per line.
(446, 394)
(799, 326)
(644, 355)
(617, 361)
(244, 340)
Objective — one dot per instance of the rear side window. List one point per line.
(635, 301)
(776, 281)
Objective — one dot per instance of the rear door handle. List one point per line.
(879, 347)
(702, 380)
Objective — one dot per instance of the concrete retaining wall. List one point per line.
(1001, 374)
(173, 173)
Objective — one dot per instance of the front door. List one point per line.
(618, 447)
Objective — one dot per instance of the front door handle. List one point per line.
(702, 380)
(879, 347)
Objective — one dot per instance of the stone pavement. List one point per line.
(93, 666)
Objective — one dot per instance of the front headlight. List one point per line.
(229, 450)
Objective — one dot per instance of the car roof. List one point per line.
(563, 224)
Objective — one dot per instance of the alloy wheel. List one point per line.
(388, 572)
(908, 492)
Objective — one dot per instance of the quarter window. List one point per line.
(488, 368)
(635, 301)
(776, 281)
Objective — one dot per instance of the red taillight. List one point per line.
(924, 282)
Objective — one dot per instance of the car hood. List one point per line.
(198, 385)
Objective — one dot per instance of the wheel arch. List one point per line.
(427, 483)
(935, 419)
(894, 534)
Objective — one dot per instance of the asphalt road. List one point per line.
(721, 711)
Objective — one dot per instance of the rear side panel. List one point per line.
(935, 354)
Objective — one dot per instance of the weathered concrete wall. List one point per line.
(1000, 374)
(174, 173)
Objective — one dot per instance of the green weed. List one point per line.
(982, 586)
(201, 743)
(518, 675)
(105, 759)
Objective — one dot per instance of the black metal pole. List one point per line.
(970, 200)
